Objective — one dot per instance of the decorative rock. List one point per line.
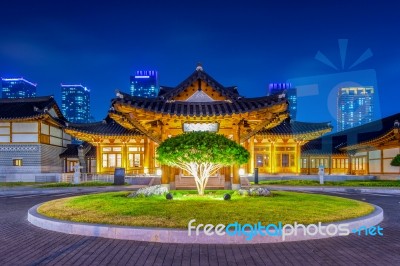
(227, 196)
(169, 196)
(259, 191)
(149, 191)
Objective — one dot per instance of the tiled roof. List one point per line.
(215, 108)
(106, 127)
(332, 143)
(229, 92)
(72, 151)
(27, 107)
(290, 127)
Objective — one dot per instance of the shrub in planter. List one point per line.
(395, 161)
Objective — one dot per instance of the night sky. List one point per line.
(244, 43)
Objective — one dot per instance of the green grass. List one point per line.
(349, 183)
(287, 207)
(86, 184)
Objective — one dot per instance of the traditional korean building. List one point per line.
(135, 126)
(35, 137)
(364, 150)
(31, 139)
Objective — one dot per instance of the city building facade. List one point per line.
(75, 103)
(144, 84)
(291, 95)
(15, 88)
(355, 107)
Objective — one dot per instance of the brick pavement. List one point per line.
(24, 244)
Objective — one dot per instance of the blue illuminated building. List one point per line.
(14, 88)
(291, 95)
(75, 103)
(355, 107)
(145, 84)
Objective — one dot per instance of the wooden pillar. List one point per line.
(99, 159)
(273, 159)
(146, 163)
(350, 165)
(166, 171)
(251, 150)
(228, 182)
(173, 171)
(330, 164)
(125, 159)
(165, 175)
(309, 164)
(298, 158)
(382, 165)
(236, 177)
(152, 157)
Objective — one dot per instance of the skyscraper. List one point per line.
(13, 88)
(145, 84)
(291, 95)
(355, 107)
(75, 103)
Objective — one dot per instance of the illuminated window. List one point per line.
(135, 160)
(111, 160)
(17, 162)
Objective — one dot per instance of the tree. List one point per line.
(395, 161)
(201, 154)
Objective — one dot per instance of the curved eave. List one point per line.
(301, 135)
(319, 153)
(124, 107)
(390, 135)
(94, 135)
(25, 118)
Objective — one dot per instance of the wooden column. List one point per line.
(165, 175)
(166, 171)
(125, 159)
(273, 159)
(251, 150)
(236, 177)
(382, 165)
(298, 158)
(350, 164)
(146, 163)
(228, 182)
(152, 157)
(99, 159)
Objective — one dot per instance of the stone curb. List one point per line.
(393, 191)
(165, 235)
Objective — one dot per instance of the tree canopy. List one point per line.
(200, 147)
(201, 154)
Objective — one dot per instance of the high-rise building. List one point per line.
(145, 84)
(291, 95)
(355, 107)
(14, 88)
(75, 103)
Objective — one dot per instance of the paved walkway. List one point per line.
(24, 244)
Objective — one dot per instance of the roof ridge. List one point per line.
(31, 99)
